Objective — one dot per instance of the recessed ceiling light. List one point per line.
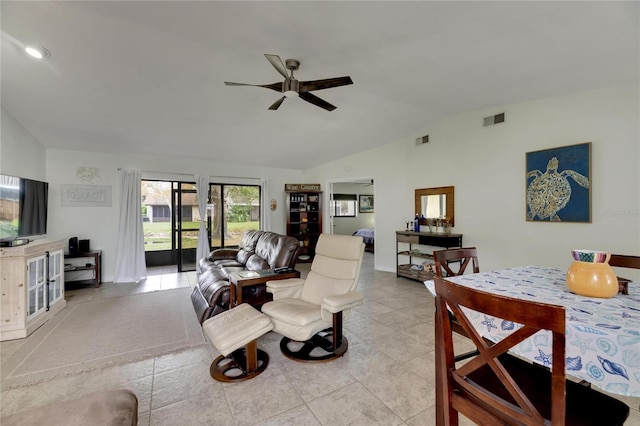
(36, 51)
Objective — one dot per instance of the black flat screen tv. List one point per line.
(23, 207)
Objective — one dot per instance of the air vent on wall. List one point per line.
(494, 119)
(422, 140)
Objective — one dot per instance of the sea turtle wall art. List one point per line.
(558, 184)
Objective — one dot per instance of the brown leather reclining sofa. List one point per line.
(258, 250)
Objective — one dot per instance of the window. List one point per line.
(160, 212)
(233, 209)
(344, 205)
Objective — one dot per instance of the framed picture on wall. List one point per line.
(365, 203)
(558, 184)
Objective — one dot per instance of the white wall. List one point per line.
(100, 224)
(21, 154)
(349, 225)
(487, 167)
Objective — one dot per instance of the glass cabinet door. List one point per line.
(36, 285)
(56, 280)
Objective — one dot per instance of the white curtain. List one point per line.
(202, 186)
(130, 263)
(265, 205)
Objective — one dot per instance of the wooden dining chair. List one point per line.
(453, 262)
(624, 261)
(498, 388)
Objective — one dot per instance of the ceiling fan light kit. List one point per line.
(36, 52)
(292, 88)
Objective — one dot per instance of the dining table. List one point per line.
(602, 334)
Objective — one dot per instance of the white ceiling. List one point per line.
(147, 77)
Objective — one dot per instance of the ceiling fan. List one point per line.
(292, 88)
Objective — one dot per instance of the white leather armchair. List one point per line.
(309, 312)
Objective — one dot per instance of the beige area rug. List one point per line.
(96, 334)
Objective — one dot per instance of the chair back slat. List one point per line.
(625, 261)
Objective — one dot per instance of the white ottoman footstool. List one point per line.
(234, 333)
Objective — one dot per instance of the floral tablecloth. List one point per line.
(602, 335)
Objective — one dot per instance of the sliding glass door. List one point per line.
(171, 219)
(186, 225)
(157, 213)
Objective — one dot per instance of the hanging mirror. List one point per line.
(435, 203)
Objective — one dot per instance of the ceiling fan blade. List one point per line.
(307, 86)
(277, 104)
(277, 64)
(274, 86)
(231, 83)
(313, 99)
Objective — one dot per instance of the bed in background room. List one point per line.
(367, 235)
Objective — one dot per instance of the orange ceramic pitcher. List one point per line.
(594, 277)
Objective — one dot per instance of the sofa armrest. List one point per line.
(340, 302)
(281, 289)
(223, 253)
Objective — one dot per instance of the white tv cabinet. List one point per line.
(32, 286)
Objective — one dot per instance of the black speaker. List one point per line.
(84, 246)
(73, 245)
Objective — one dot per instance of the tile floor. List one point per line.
(386, 377)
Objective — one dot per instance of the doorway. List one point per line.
(352, 209)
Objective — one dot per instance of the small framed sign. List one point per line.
(302, 187)
(85, 195)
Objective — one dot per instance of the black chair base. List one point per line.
(233, 367)
(322, 341)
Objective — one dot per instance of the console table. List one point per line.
(414, 239)
(92, 263)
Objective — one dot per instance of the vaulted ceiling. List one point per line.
(147, 77)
